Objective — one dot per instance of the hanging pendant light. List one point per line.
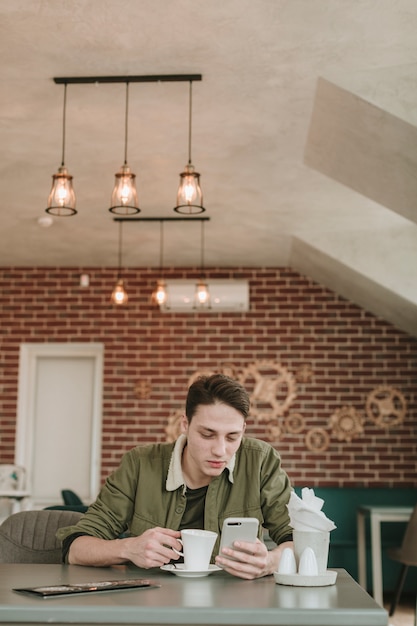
(119, 295)
(61, 200)
(189, 197)
(124, 200)
(202, 293)
(160, 295)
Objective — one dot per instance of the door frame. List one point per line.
(28, 359)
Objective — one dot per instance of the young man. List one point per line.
(211, 472)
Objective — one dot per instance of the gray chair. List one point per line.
(29, 536)
(406, 554)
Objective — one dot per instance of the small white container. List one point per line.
(308, 563)
(287, 564)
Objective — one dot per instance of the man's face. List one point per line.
(213, 436)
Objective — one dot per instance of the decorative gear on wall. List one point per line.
(317, 440)
(304, 374)
(295, 423)
(143, 389)
(386, 406)
(346, 423)
(274, 432)
(272, 389)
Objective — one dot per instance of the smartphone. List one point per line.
(238, 529)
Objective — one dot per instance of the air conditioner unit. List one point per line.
(225, 295)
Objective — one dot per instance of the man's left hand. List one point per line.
(251, 560)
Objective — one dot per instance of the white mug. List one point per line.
(197, 548)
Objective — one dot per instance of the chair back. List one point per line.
(409, 543)
(12, 477)
(30, 536)
(70, 498)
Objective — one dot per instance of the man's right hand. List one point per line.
(151, 549)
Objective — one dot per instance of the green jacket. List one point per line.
(148, 490)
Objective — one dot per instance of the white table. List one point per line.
(377, 515)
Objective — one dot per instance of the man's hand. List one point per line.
(251, 560)
(151, 549)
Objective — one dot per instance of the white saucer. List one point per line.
(296, 580)
(179, 570)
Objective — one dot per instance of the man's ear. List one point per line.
(184, 424)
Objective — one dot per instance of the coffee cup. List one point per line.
(197, 548)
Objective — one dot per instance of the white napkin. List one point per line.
(306, 514)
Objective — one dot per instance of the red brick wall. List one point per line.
(326, 350)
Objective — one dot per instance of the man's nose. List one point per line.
(219, 447)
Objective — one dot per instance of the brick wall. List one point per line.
(327, 355)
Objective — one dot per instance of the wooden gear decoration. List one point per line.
(304, 374)
(268, 399)
(317, 440)
(346, 423)
(295, 423)
(274, 432)
(143, 389)
(386, 406)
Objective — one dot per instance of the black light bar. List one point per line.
(158, 78)
(161, 219)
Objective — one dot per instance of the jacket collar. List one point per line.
(175, 478)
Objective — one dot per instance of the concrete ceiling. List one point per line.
(304, 132)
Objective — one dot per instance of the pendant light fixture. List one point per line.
(202, 293)
(124, 200)
(61, 200)
(189, 197)
(160, 295)
(119, 296)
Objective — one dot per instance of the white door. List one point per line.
(58, 437)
